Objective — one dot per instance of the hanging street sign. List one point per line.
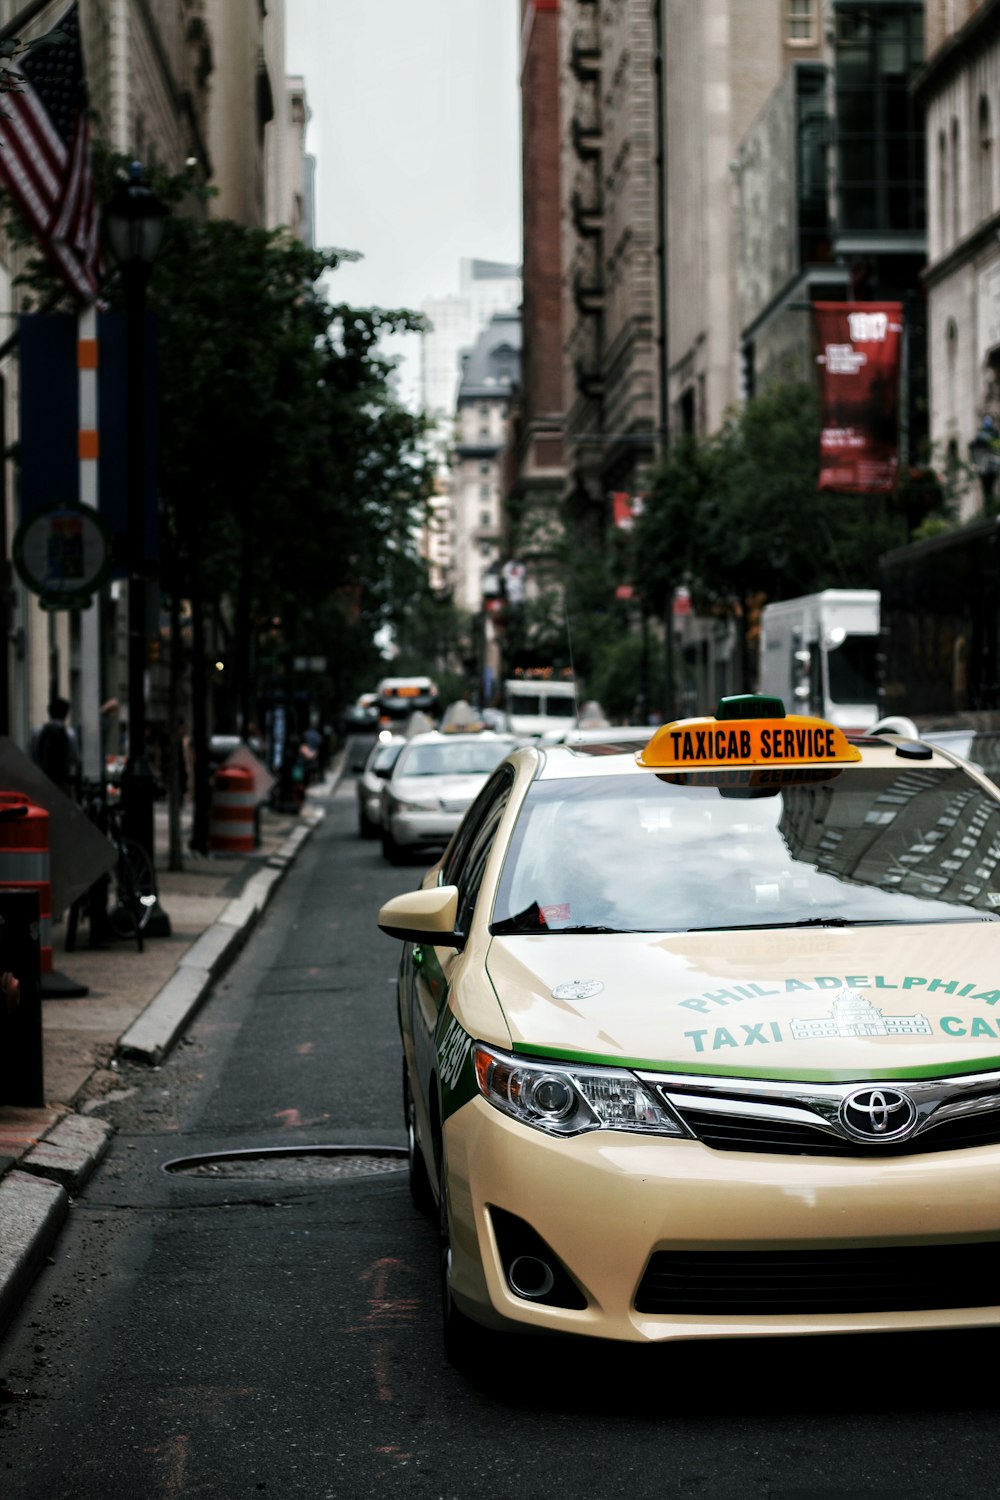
(63, 555)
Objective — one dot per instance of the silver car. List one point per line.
(435, 779)
(377, 769)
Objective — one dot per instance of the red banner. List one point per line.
(859, 352)
(625, 508)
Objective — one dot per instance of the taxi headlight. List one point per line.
(569, 1101)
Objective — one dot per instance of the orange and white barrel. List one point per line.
(25, 863)
(231, 819)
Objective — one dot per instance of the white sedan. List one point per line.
(434, 781)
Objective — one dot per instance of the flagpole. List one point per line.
(24, 17)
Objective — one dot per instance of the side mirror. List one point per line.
(424, 917)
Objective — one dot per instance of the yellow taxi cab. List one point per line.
(702, 1037)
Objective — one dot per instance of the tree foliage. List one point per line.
(292, 482)
(739, 521)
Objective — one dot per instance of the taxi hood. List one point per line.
(826, 1004)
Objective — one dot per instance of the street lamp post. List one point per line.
(135, 222)
(984, 455)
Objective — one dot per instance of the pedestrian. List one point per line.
(55, 750)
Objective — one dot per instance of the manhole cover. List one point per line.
(292, 1164)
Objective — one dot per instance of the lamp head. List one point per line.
(135, 219)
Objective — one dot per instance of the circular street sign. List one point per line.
(63, 555)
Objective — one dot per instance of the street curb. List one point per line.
(153, 1033)
(70, 1151)
(32, 1210)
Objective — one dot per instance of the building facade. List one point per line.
(535, 460)
(172, 84)
(607, 190)
(491, 372)
(830, 189)
(454, 323)
(722, 60)
(960, 91)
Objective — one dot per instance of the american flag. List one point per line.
(45, 156)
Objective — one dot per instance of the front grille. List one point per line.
(725, 1132)
(770, 1282)
(827, 1119)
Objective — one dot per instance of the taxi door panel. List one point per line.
(430, 993)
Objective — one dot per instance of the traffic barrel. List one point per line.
(25, 863)
(231, 820)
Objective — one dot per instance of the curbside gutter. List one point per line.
(35, 1195)
(32, 1211)
(152, 1034)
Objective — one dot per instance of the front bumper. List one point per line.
(411, 828)
(606, 1202)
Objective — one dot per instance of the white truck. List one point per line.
(536, 704)
(819, 654)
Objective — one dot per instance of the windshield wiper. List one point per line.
(839, 922)
(572, 931)
(514, 926)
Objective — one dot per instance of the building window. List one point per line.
(749, 371)
(984, 162)
(686, 412)
(484, 467)
(484, 518)
(800, 20)
(880, 136)
(956, 222)
(484, 492)
(943, 190)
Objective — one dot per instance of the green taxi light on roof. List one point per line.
(750, 706)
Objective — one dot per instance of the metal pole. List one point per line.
(24, 17)
(137, 779)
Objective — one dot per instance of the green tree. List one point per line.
(739, 520)
(664, 544)
(292, 482)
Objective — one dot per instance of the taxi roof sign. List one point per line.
(748, 741)
(750, 706)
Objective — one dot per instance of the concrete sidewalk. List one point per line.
(136, 1006)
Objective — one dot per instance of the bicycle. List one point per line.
(121, 903)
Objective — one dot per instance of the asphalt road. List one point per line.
(269, 1326)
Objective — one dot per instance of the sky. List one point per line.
(415, 130)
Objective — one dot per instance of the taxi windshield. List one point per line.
(454, 757)
(644, 854)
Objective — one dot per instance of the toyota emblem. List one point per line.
(878, 1114)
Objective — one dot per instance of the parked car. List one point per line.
(377, 769)
(702, 1042)
(433, 782)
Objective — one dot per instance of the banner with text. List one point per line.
(859, 353)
